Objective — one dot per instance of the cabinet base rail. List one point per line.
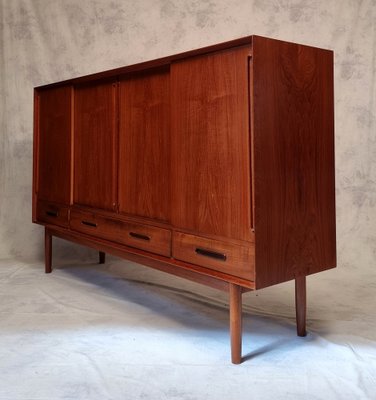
(235, 291)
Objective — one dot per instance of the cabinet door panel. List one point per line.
(210, 144)
(54, 150)
(144, 145)
(95, 141)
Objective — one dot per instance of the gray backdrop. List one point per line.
(122, 331)
(44, 41)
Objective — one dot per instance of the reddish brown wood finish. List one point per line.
(301, 305)
(48, 251)
(52, 213)
(144, 145)
(95, 145)
(35, 155)
(293, 134)
(102, 257)
(210, 144)
(226, 158)
(150, 238)
(205, 276)
(236, 323)
(221, 256)
(53, 136)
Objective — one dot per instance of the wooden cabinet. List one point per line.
(216, 165)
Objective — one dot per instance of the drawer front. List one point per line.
(149, 238)
(224, 257)
(51, 213)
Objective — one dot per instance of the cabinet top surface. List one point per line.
(159, 62)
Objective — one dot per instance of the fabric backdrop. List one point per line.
(84, 333)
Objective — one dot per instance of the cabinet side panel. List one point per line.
(35, 154)
(293, 131)
(53, 141)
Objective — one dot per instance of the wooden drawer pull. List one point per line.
(88, 223)
(139, 236)
(211, 254)
(52, 213)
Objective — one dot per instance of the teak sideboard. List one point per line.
(216, 165)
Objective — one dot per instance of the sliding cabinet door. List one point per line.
(144, 145)
(53, 152)
(95, 145)
(210, 144)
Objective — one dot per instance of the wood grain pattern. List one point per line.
(293, 130)
(35, 154)
(54, 144)
(195, 273)
(95, 145)
(200, 251)
(301, 305)
(52, 213)
(123, 217)
(47, 251)
(236, 140)
(210, 144)
(235, 294)
(155, 240)
(144, 145)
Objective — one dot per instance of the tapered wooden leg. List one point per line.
(301, 305)
(47, 251)
(236, 323)
(102, 257)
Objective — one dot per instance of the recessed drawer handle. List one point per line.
(88, 223)
(211, 254)
(139, 236)
(52, 213)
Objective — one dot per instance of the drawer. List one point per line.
(214, 254)
(150, 238)
(51, 213)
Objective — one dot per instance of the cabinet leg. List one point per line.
(236, 323)
(301, 305)
(47, 251)
(102, 257)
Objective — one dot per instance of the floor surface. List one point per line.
(123, 331)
